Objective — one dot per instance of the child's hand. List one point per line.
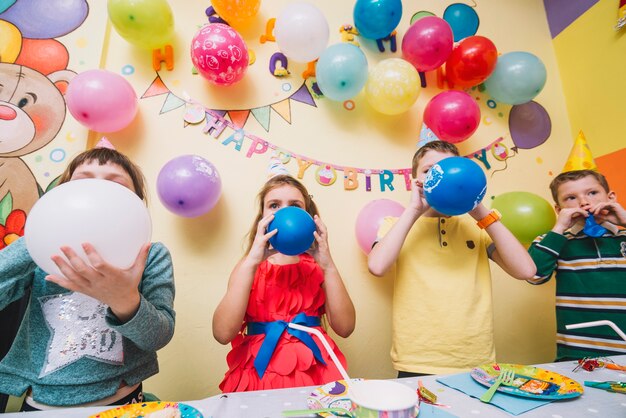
(609, 211)
(118, 288)
(322, 252)
(418, 202)
(260, 247)
(567, 218)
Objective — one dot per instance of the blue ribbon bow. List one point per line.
(273, 331)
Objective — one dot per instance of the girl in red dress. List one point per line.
(267, 290)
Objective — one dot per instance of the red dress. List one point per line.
(280, 292)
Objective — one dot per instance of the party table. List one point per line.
(270, 403)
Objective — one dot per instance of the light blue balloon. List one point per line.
(462, 19)
(519, 77)
(341, 71)
(376, 19)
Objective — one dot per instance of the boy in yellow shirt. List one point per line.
(442, 308)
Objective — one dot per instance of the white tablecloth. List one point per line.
(270, 403)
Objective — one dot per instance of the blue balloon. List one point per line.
(462, 19)
(518, 77)
(341, 71)
(295, 230)
(376, 19)
(455, 185)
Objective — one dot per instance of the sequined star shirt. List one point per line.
(70, 348)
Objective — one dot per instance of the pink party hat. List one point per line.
(104, 143)
(276, 167)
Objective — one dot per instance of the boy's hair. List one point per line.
(272, 183)
(105, 156)
(576, 175)
(439, 146)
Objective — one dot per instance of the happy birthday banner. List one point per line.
(215, 124)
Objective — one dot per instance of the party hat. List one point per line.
(580, 157)
(426, 136)
(276, 167)
(104, 143)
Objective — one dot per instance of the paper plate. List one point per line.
(530, 382)
(136, 410)
(331, 395)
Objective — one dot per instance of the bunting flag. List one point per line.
(228, 126)
(239, 117)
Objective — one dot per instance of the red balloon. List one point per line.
(452, 115)
(471, 62)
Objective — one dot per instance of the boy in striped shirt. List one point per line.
(589, 261)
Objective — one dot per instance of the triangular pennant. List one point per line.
(283, 109)
(580, 157)
(262, 115)
(303, 95)
(156, 88)
(171, 102)
(239, 117)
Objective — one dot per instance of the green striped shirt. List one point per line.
(590, 286)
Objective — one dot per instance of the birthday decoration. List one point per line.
(147, 24)
(518, 77)
(525, 214)
(391, 87)
(454, 185)
(580, 157)
(220, 54)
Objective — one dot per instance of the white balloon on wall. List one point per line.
(301, 32)
(103, 213)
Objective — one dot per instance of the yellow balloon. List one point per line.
(392, 86)
(146, 23)
(238, 13)
(10, 42)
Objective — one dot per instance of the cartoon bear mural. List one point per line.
(32, 111)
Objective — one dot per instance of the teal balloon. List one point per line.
(462, 19)
(341, 71)
(518, 77)
(525, 214)
(376, 19)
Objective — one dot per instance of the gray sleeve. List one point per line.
(152, 327)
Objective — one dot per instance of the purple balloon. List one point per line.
(529, 124)
(43, 19)
(189, 185)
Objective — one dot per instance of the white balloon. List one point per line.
(301, 32)
(103, 213)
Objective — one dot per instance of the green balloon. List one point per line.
(147, 24)
(417, 16)
(525, 214)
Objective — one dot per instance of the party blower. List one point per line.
(370, 398)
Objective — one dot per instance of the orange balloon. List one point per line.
(471, 62)
(43, 55)
(238, 13)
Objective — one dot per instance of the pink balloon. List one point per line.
(220, 54)
(452, 115)
(101, 100)
(427, 43)
(371, 217)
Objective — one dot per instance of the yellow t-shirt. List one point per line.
(442, 308)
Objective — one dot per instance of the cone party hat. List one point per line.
(580, 157)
